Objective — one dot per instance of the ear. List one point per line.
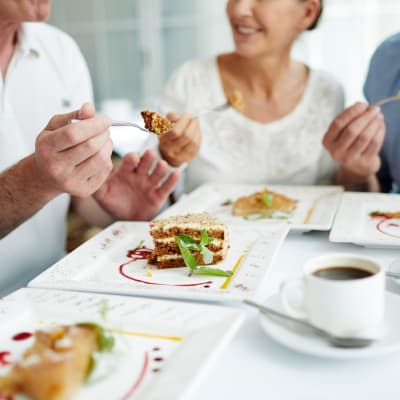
(311, 10)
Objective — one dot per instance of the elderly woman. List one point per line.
(278, 136)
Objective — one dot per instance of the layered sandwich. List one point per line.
(189, 228)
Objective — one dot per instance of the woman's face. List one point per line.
(267, 27)
(17, 11)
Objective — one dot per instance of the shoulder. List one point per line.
(384, 69)
(52, 40)
(193, 71)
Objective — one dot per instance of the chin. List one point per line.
(43, 10)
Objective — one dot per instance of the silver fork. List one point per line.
(386, 100)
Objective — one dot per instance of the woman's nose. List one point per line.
(240, 8)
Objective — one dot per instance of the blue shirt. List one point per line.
(383, 80)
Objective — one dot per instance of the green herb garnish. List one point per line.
(267, 199)
(187, 243)
(139, 246)
(227, 202)
(105, 340)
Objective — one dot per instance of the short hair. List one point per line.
(318, 17)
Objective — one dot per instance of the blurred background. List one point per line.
(132, 46)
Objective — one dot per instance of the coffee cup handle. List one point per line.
(296, 311)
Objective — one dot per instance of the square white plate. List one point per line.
(102, 265)
(354, 224)
(161, 351)
(315, 210)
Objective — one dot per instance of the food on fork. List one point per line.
(57, 363)
(263, 202)
(197, 231)
(236, 100)
(155, 122)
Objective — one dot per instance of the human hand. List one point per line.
(354, 139)
(74, 158)
(182, 143)
(131, 193)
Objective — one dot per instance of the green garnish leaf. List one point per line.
(105, 340)
(204, 239)
(188, 257)
(212, 272)
(207, 255)
(138, 246)
(267, 199)
(227, 202)
(104, 309)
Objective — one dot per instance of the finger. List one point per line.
(77, 133)
(146, 162)
(356, 129)
(158, 173)
(178, 129)
(169, 185)
(81, 152)
(362, 142)
(129, 163)
(58, 121)
(97, 163)
(375, 144)
(173, 117)
(342, 121)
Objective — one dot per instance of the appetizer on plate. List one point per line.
(263, 202)
(385, 214)
(57, 363)
(155, 122)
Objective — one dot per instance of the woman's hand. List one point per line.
(182, 143)
(354, 140)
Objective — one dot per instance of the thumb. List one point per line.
(173, 117)
(60, 120)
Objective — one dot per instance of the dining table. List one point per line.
(255, 366)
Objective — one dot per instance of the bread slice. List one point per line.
(264, 201)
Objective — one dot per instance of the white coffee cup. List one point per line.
(340, 306)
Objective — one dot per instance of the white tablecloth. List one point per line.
(253, 366)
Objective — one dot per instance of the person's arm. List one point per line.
(354, 140)
(68, 158)
(23, 193)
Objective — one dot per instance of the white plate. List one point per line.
(354, 224)
(102, 265)
(315, 210)
(162, 347)
(297, 338)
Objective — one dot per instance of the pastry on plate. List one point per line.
(263, 202)
(56, 365)
(166, 253)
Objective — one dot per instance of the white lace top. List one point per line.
(236, 149)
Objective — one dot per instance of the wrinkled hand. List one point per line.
(74, 158)
(355, 138)
(131, 193)
(182, 143)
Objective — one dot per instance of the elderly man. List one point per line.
(43, 74)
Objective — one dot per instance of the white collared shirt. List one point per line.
(47, 75)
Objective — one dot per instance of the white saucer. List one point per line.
(301, 340)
